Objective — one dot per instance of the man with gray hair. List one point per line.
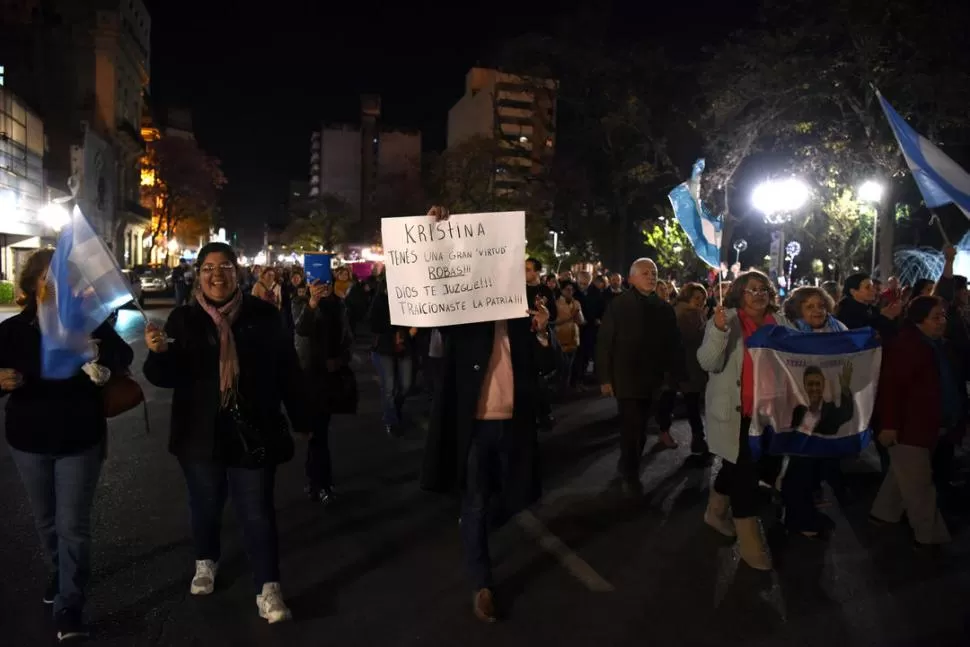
(638, 351)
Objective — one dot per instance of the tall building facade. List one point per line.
(375, 169)
(22, 188)
(83, 65)
(518, 111)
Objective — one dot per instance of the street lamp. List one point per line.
(778, 199)
(871, 193)
(739, 246)
(54, 215)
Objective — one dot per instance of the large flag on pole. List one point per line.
(84, 286)
(814, 393)
(703, 229)
(940, 179)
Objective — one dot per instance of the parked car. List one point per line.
(153, 282)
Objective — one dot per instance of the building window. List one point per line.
(1, 75)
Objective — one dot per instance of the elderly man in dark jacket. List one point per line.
(638, 351)
(482, 436)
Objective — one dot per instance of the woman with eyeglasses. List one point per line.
(750, 304)
(231, 364)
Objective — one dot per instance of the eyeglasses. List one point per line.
(209, 268)
(760, 292)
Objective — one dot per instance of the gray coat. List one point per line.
(722, 355)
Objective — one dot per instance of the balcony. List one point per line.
(128, 133)
(137, 210)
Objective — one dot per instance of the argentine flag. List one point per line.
(703, 229)
(814, 393)
(84, 286)
(940, 179)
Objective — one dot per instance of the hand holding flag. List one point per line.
(84, 285)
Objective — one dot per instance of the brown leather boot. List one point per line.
(753, 550)
(718, 514)
(483, 605)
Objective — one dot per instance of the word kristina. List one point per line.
(442, 230)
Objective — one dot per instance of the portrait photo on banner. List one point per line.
(817, 403)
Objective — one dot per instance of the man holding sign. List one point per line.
(482, 435)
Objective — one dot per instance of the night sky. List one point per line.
(259, 81)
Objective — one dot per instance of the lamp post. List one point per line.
(870, 193)
(778, 200)
(739, 246)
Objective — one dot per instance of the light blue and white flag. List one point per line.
(84, 286)
(703, 229)
(940, 179)
(814, 393)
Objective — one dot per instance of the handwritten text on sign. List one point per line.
(465, 269)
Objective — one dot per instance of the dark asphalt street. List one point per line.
(384, 568)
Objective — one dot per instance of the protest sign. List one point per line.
(466, 269)
(814, 393)
(316, 267)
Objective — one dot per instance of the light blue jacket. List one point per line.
(722, 355)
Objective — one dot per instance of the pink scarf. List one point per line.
(748, 326)
(223, 317)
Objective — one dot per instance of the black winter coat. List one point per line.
(55, 417)
(269, 375)
(468, 349)
(639, 346)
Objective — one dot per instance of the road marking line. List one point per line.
(572, 562)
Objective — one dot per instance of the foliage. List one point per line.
(842, 231)
(186, 184)
(464, 178)
(673, 252)
(611, 161)
(319, 222)
(6, 292)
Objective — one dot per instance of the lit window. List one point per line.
(1, 75)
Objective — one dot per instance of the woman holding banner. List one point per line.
(810, 309)
(56, 432)
(749, 305)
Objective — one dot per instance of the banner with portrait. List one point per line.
(814, 393)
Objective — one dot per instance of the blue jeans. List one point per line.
(486, 469)
(252, 497)
(395, 375)
(61, 490)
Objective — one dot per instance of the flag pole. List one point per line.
(934, 217)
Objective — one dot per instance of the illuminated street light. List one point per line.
(871, 193)
(54, 215)
(778, 199)
(173, 245)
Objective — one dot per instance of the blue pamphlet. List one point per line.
(316, 266)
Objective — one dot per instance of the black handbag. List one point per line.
(254, 446)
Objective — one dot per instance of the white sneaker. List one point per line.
(204, 581)
(270, 604)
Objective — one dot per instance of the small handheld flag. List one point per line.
(84, 285)
(702, 229)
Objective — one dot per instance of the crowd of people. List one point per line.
(249, 344)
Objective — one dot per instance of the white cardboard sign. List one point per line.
(465, 269)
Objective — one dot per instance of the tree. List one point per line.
(610, 161)
(672, 248)
(183, 182)
(319, 222)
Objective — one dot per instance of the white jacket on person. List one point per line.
(721, 354)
